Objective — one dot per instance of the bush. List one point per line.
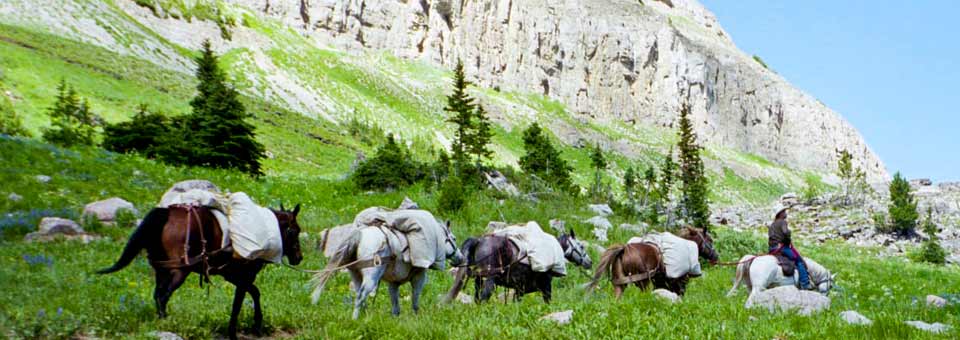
(144, 134)
(391, 168)
(732, 245)
(72, 122)
(930, 251)
(10, 122)
(452, 195)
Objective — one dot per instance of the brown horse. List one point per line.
(642, 264)
(183, 239)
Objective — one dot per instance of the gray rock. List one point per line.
(465, 298)
(599, 222)
(163, 335)
(190, 184)
(56, 225)
(788, 298)
(498, 181)
(601, 209)
(106, 210)
(936, 301)
(789, 199)
(854, 318)
(600, 234)
(43, 179)
(408, 204)
(562, 318)
(936, 327)
(496, 225)
(13, 197)
(558, 226)
(666, 295)
(633, 228)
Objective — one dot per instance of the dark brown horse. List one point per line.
(642, 264)
(496, 261)
(185, 239)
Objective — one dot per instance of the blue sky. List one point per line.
(890, 68)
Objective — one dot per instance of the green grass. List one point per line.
(120, 305)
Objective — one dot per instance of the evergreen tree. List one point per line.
(599, 164)
(452, 195)
(903, 207)
(692, 177)
(931, 251)
(10, 122)
(630, 186)
(481, 134)
(144, 134)
(649, 185)
(667, 174)
(543, 160)
(852, 179)
(218, 134)
(391, 167)
(462, 109)
(72, 122)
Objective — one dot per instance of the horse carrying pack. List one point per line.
(680, 256)
(542, 251)
(424, 234)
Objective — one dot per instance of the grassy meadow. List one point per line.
(50, 290)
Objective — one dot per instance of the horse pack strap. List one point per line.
(376, 261)
(634, 278)
(323, 243)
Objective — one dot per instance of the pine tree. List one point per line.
(903, 207)
(72, 123)
(852, 179)
(649, 185)
(931, 251)
(462, 108)
(630, 179)
(10, 122)
(667, 174)
(219, 135)
(543, 160)
(692, 177)
(599, 164)
(482, 132)
(145, 134)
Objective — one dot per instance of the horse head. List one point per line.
(573, 250)
(290, 233)
(704, 242)
(450, 248)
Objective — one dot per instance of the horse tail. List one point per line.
(606, 264)
(461, 275)
(148, 230)
(346, 253)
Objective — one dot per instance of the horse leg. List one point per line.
(544, 284)
(419, 280)
(395, 297)
(257, 311)
(488, 287)
(167, 283)
(238, 294)
(618, 290)
(371, 278)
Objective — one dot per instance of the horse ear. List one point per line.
(448, 224)
(296, 209)
(572, 234)
(833, 277)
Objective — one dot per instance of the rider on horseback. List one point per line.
(780, 241)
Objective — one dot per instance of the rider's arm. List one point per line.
(787, 240)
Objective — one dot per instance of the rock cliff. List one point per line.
(624, 60)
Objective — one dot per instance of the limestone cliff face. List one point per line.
(605, 59)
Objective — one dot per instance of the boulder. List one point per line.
(562, 318)
(408, 204)
(190, 184)
(465, 298)
(106, 210)
(43, 179)
(599, 222)
(935, 327)
(558, 226)
(788, 298)
(13, 197)
(854, 318)
(498, 181)
(600, 234)
(666, 295)
(601, 209)
(162, 335)
(56, 225)
(789, 199)
(936, 301)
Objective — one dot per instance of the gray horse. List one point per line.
(375, 253)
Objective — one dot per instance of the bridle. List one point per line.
(449, 240)
(573, 248)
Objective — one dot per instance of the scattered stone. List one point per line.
(921, 182)
(935, 327)
(787, 298)
(56, 225)
(600, 234)
(789, 199)
(558, 226)
(14, 197)
(43, 179)
(599, 222)
(496, 225)
(854, 318)
(465, 298)
(361, 157)
(666, 295)
(408, 204)
(601, 209)
(562, 318)
(498, 181)
(633, 228)
(106, 210)
(190, 184)
(163, 335)
(936, 301)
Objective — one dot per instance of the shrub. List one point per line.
(144, 134)
(732, 245)
(452, 195)
(930, 251)
(903, 207)
(10, 122)
(542, 160)
(72, 122)
(391, 168)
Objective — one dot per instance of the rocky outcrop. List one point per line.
(608, 60)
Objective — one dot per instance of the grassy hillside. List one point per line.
(50, 289)
(303, 94)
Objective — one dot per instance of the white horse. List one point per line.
(375, 253)
(761, 272)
